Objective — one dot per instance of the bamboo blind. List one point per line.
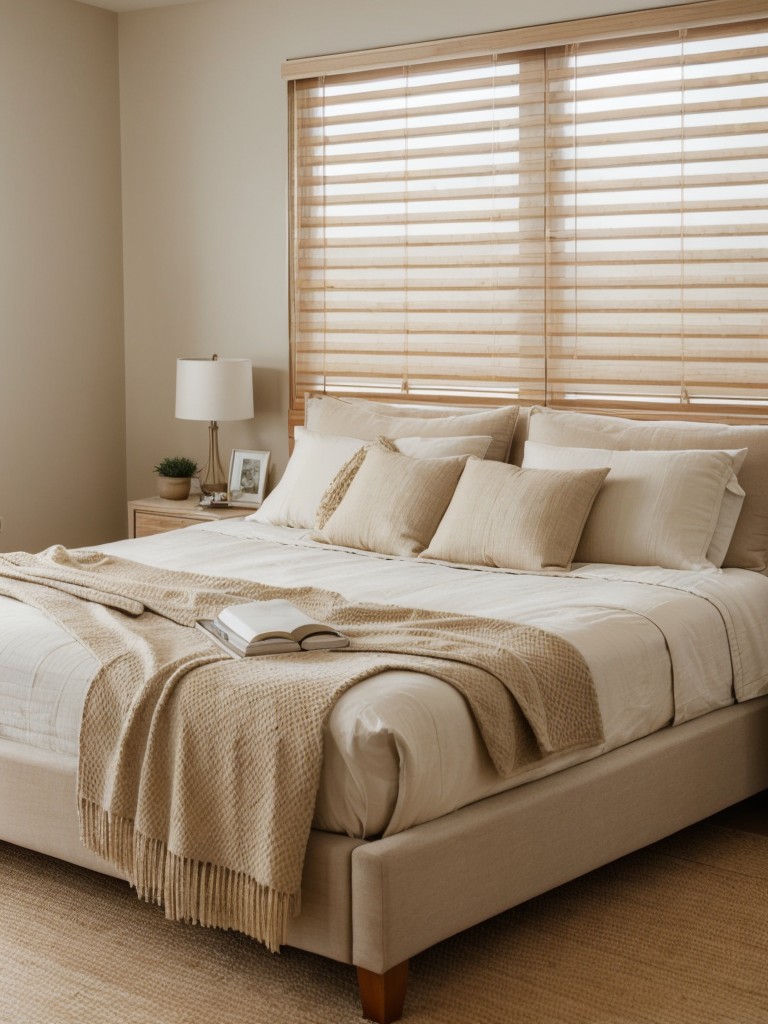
(579, 225)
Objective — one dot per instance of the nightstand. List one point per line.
(158, 515)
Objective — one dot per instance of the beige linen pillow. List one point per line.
(655, 508)
(427, 410)
(416, 447)
(339, 486)
(394, 503)
(367, 420)
(749, 547)
(515, 518)
(317, 459)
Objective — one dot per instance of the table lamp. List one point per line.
(214, 389)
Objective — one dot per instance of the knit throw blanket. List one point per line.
(198, 773)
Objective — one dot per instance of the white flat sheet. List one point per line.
(401, 748)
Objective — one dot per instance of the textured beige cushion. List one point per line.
(340, 484)
(367, 420)
(394, 503)
(749, 546)
(516, 518)
(656, 508)
(416, 447)
(317, 459)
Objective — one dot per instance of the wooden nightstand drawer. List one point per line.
(159, 515)
(147, 523)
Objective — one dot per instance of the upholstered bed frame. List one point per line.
(377, 903)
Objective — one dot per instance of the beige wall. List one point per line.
(62, 431)
(204, 179)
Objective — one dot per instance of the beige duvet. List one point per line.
(198, 774)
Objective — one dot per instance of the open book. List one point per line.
(269, 627)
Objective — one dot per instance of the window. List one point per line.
(659, 220)
(584, 225)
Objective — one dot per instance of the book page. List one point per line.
(260, 620)
(324, 641)
(238, 648)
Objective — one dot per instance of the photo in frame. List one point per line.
(247, 478)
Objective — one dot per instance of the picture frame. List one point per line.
(247, 481)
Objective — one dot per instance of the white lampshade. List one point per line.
(214, 389)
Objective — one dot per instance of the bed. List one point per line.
(415, 836)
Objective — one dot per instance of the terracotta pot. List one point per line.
(174, 487)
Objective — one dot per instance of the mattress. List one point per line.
(401, 748)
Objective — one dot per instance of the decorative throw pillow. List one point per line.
(655, 508)
(516, 518)
(416, 447)
(749, 547)
(367, 420)
(316, 460)
(393, 504)
(339, 486)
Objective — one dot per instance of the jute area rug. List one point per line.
(675, 934)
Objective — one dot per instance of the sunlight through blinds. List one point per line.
(658, 199)
(419, 230)
(584, 223)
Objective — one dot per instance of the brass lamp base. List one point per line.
(213, 479)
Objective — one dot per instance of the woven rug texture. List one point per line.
(674, 934)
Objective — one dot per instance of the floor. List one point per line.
(748, 816)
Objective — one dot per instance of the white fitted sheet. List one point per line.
(402, 748)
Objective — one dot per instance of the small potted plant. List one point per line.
(174, 477)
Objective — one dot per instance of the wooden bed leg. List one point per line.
(383, 995)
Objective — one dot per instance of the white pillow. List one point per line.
(655, 507)
(317, 458)
(442, 447)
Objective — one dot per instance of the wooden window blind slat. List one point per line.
(468, 334)
(692, 339)
(583, 224)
